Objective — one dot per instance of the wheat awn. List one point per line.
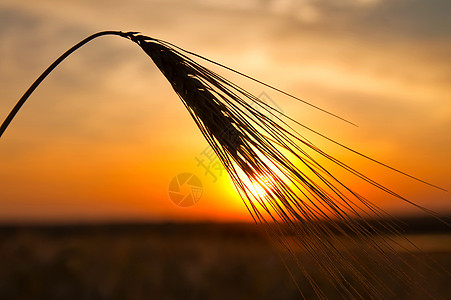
(299, 192)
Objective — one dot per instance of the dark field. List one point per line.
(180, 261)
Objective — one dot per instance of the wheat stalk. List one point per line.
(267, 152)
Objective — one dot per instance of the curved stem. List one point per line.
(35, 84)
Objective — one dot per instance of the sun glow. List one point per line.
(261, 186)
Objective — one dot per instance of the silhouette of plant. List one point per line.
(274, 170)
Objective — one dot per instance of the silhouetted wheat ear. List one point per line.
(257, 150)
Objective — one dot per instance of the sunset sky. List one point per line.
(103, 136)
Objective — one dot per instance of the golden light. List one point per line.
(261, 186)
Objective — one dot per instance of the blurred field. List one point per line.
(175, 261)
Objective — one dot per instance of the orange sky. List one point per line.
(104, 135)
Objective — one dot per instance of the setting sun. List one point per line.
(261, 186)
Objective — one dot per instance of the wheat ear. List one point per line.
(255, 149)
